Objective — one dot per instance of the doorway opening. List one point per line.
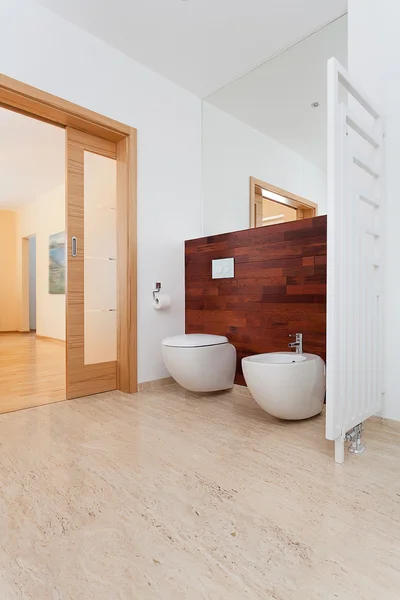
(32, 283)
(270, 205)
(32, 211)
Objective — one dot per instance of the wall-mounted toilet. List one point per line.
(200, 362)
(286, 385)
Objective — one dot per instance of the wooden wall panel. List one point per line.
(279, 288)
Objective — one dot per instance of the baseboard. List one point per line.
(156, 384)
(241, 390)
(49, 339)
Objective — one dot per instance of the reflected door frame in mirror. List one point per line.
(305, 209)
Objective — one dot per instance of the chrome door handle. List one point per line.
(74, 246)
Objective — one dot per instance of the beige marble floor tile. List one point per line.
(168, 495)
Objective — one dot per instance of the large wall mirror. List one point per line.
(264, 138)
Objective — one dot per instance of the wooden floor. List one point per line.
(32, 371)
(168, 495)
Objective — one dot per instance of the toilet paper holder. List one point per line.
(156, 290)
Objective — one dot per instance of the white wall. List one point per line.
(232, 153)
(43, 218)
(374, 60)
(41, 49)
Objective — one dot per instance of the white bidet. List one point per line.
(286, 385)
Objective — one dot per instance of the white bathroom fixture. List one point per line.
(356, 250)
(286, 385)
(223, 268)
(200, 362)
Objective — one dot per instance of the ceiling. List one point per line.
(276, 98)
(31, 159)
(199, 44)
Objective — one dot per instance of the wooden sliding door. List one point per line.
(91, 199)
(101, 301)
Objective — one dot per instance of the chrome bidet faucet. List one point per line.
(298, 344)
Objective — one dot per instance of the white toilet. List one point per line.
(200, 362)
(286, 385)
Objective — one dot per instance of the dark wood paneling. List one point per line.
(279, 288)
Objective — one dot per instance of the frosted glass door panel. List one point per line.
(100, 284)
(100, 336)
(100, 234)
(100, 181)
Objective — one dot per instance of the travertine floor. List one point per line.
(169, 496)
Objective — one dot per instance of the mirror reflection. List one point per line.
(264, 138)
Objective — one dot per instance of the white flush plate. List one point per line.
(223, 268)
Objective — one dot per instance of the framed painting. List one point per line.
(57, 263)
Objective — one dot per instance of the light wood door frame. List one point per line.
(305, 208)
(35, 103)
